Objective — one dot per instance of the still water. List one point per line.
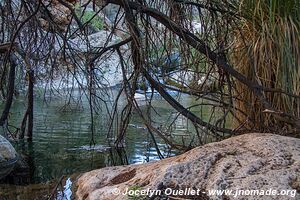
(62, 138)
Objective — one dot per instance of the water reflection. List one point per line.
(66, 194)
(61, 143)
(62, 189)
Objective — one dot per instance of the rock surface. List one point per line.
(252, 162)
(8, 157)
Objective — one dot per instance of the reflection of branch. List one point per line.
(175, 104)
(54, 190)
(161, 134)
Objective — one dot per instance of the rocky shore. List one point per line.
(248, 162)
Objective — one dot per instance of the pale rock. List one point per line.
(254, 161)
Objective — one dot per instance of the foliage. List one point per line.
(89, 17)
(268, 50)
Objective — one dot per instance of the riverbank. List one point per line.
(248, 162)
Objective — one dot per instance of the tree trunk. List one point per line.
(10, 90)
(30, 105)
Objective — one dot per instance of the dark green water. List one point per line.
(62, 136)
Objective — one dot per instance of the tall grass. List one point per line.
(267, 49)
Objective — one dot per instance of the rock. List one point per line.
(59, 14)
(252, 162)
(8, 157)
(20, 175)
(98, 40)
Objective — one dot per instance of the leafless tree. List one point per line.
(36, 38)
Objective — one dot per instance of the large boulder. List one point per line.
(257, 162)
(8, 157)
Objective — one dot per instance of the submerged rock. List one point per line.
(248, 162)
(8, 157)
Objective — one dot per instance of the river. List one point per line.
(62, 137)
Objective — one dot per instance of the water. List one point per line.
(62, 137)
